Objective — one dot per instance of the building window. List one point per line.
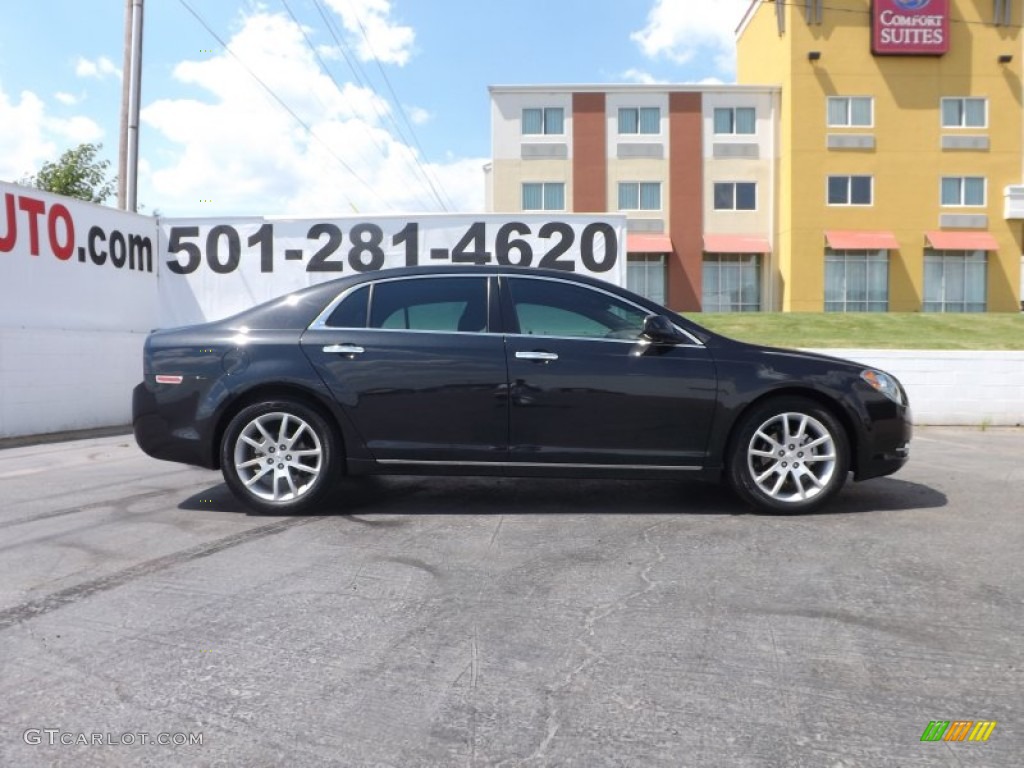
(963, 190)
(731, 282)
(856, 281)
(640, 196)
(735, 120)
(955, 281)
(546, 120)
(964, 113)
(544, 196)
(849, 190)
(850, 112)
(645, 275)
(735, 196)
(640, 120)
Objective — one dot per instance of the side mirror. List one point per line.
(657, 328)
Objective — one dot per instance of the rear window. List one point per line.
(441, 304)
(351, 312)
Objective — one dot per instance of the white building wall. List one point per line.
(507, 121)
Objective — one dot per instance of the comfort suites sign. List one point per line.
(910, 27)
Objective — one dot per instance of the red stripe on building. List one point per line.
(686, 201)
(589, 153)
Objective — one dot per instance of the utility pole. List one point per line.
(131, 92)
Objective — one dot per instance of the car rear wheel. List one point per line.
(788, 455)
(280, 457)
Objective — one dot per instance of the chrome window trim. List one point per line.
(542, 464)
(320, 323)
(695, 340)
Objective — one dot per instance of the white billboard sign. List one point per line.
(69, 264)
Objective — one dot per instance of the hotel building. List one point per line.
(869, 159)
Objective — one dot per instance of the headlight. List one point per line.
(884, 383)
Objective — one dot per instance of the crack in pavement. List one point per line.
(591, 655)
(34, 608)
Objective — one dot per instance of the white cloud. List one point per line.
(237, 146)
(418, 115)
(639, 76)
(67, 99)
(680, 31)
(100, 68)
(376, 36)
(22, 146)
(77, 130)
(30, 137)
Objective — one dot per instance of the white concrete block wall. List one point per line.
(52, 380)
(953, 387)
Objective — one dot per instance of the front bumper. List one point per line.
(887, 447)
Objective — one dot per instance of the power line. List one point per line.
(288, 109)
(398, 105)
(323, 65)
(364, 82)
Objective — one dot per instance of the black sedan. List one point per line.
(500, 371)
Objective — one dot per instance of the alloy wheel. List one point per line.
(791, 457)
(278, 456)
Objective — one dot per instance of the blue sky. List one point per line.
(388, 91)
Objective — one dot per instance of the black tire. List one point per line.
(275, 482)
(792, 475)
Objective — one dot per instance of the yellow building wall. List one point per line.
(907, 162)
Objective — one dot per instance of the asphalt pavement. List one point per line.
(480, 622)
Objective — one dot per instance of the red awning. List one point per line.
(858, 240)
(638, 243)
(962, 241)
(736, 244)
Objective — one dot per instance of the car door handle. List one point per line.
(344, 349)
(544, 357)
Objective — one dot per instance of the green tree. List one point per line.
(77, 173)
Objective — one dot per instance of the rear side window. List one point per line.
(441, 304)
(351, 313)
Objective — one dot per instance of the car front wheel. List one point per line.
(789, 455)
(279, 457)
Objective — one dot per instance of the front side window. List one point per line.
(441, 304)
(640, 196)
(856, 281)
(964, 113)
(963, 190)
(850, 112)
(850, 190)
(735, 196)
(735, 120)
(554, 308)
(731, 282)
(955, 281)
(642, 120)
(544, 196)
(544, 121)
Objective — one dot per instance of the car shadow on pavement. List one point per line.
(883, 494)
(414, 495)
